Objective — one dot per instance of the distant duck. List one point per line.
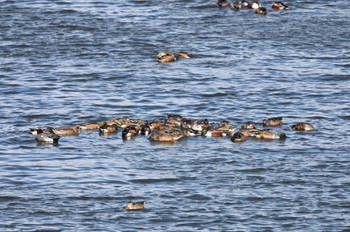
(169, 137)
(248, 125)
(277, 121)
(145, 130)
(213, 133)
(195, 124)
(254, 5)
(71, 131)
(106, 129)
(261, 10)
(183, 55)
(279, 6)
(90, 126)
(166, 57)
(236, 5)
(129, 132)
(222, 3)
(251, 132)
(238, 137)
(270, 135)
(303, 126)
(187, 132)
(47, 136)
(134, 205)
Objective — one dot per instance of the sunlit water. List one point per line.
(67, 62)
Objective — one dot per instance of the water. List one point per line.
(67, 62)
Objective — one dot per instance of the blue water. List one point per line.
(69, 62)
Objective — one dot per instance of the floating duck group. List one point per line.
(255, 5)
(172, 128)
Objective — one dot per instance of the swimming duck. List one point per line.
(183, 55)
(166, 57)
(248, 125)
(129, 132)
(277, 121)
(134, 205)
(169, 136)
(195, 124)
(303, 126)
(222, 3)
(213, 133)
(90, 126)
(106, 129)
(225, 128)
(145, 130)
(279, 6)
(236, 5)
(267, 134)
(238, 137)
(261, 10)
(253, 5)
(72, 131)
(47, 136)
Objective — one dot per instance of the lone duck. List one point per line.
(279, 6)
(303, 126)
(134, 205)
(277, 121)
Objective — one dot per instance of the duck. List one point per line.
(222, 3)
(254, 5)
(135, 205)
(213, 133)
(71, 131)
(183, 55)
(303, 126)
(248, 125)
(187, 132)
(169, 136)
(236, 5)
(277, 121)
(106, 129)
(122, 122)
(267, 134)
(225, 128)
(261, 10)
(279, 6)
(195, 124)
(145, 130)
(166, 57)
(47, 136)
(129, 132)
(238, 137)
(90, 126)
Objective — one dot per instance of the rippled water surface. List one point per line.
(68, 62)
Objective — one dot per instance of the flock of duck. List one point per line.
(255, 5)
(172, 128)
